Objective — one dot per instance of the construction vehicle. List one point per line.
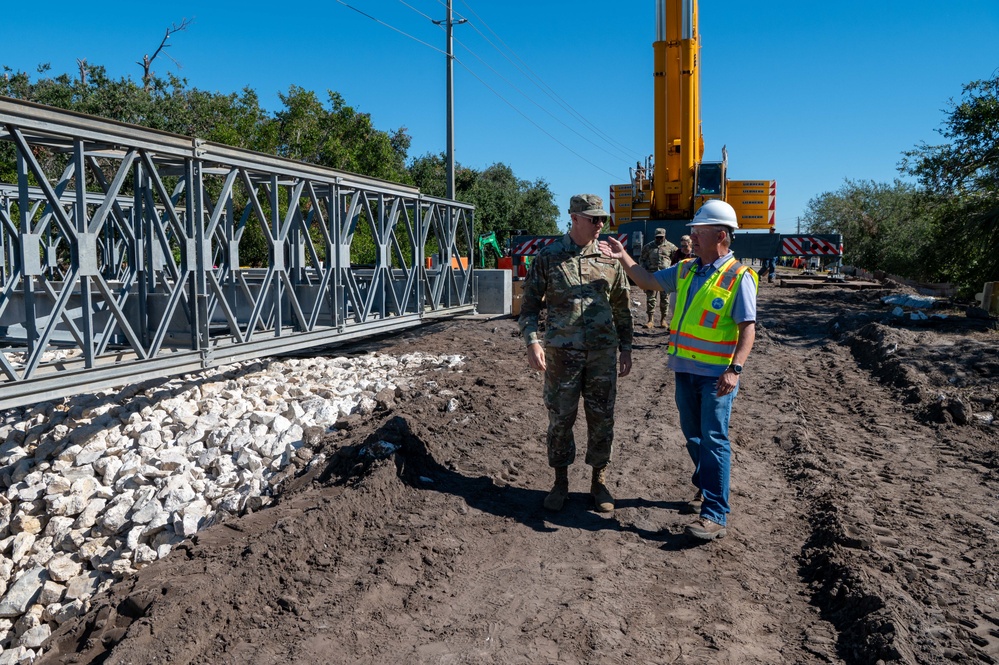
(487, 241)
(674, 182)
(666, 190)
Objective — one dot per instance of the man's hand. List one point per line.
(727, 383)
(611, 248)
(625, 360)
(536, 357)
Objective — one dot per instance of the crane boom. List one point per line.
(664, 193)
(676, 180)
(679, 145)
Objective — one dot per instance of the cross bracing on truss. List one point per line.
(120, 248)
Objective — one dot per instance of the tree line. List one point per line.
(324, 131)
(944, 225)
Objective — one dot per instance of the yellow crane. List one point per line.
(675, 181)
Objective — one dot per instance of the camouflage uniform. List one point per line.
(654, 258)
(589, 320)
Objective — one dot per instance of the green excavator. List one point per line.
(487, 243)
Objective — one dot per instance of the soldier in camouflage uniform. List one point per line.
(589, 321)
(655, 257)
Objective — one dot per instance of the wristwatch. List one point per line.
(735, 368)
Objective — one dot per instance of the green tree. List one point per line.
(884, 227)
(338, 137)
(962, 177)
(501, 200)
(429, 173)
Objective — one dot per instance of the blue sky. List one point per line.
(806, 93)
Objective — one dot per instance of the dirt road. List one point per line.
(865, 525)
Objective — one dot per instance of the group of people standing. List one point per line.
(582, 283)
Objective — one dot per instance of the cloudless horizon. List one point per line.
(807, 94)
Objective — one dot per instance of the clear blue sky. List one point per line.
(806, 93)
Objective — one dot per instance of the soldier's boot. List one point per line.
(650, 323)
(560, 492)
(602, 498)
(663, 321)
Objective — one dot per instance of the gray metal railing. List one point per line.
(120, 245)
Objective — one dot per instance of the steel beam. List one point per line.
(119, 255)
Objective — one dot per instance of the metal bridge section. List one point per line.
(120, 255)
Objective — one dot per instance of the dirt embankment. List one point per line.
(865, 525)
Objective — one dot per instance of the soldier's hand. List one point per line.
(611, 248)
(536, 357)
(625, 363)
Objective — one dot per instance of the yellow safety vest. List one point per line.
(705, 331)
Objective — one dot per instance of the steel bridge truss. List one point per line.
(120, 255)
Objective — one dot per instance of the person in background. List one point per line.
(769, 269)
(711, 336)
(656, 256)
(681, 253)
(586, 296)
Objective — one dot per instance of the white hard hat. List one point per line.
(715, 212)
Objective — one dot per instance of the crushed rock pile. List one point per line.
(96, 487)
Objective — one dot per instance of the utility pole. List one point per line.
(799, 224)
(449, 24)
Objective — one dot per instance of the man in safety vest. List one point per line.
(711, 334)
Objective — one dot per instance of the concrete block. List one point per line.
(495, 291)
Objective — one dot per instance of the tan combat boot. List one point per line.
(649, 323)
(560, 492)
(602, 498)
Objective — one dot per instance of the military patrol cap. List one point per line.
(660, 232)
(590, 205)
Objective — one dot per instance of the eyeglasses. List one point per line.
(596, 221)
(697, 230)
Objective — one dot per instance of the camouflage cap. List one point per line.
(660, 232)
(590, 205)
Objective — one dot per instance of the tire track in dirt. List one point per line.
(899, 582)
(741, 582)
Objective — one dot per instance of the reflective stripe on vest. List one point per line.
(705, 331)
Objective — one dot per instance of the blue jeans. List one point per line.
(704, 422)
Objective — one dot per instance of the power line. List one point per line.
(429, 18)
(478, 78)
(539, 127)
(544, 87)
(391, 27)
(620, 154)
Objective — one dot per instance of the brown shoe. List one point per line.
(664, 325)
(602, 499)
(649, 324)
(695, 503)
(704, 529)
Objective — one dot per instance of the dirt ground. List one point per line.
(865, 524)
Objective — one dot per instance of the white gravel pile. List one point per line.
(95, 487)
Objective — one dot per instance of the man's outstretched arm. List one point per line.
(642, 278)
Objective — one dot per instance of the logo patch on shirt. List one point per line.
(717, 303)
